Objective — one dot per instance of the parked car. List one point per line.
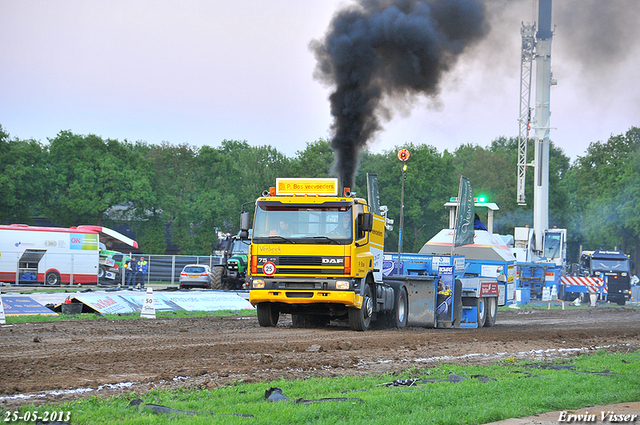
(195, 275)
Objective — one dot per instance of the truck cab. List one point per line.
(316, 255)
(613, 266)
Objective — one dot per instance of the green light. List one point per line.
(482, 199)
(453, 199)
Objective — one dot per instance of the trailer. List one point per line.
(53, 255)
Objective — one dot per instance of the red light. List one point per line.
(272, 191)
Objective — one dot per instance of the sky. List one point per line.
(198, 72)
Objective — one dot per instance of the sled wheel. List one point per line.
(492, 311)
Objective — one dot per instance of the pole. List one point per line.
(403, 155)
(404, 175)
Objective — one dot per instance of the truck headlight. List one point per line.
(342, 284)
(258, 284)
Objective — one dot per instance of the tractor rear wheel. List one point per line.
(216, 277)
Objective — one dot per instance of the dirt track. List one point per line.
(209, 352)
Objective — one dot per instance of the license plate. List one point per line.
(193, 276)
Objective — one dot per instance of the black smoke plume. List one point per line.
(377, 53)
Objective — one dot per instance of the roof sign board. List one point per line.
(322, 187)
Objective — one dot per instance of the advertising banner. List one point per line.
(126, 302)
(444, 300)
(24, 306)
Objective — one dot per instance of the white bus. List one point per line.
(54, 255)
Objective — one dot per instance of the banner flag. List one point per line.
(464, 231)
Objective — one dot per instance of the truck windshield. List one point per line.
(240, 247)
(609, 265)
(303, 224)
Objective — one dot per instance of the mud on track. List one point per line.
(209, 352)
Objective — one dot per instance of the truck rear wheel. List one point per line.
(492, 311)
(268, 315)
(216, 277)
(482, 311)
(360, 318)
(401, 308)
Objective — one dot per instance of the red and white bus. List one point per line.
(54, 255)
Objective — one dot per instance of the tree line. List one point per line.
(195, 193)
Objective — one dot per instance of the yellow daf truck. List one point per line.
(317, 254)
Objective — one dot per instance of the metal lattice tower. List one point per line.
(528, 47)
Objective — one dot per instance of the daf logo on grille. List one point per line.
(334, 261)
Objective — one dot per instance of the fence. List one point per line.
(167, 268)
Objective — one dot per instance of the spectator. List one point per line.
(142, 270)
(131, 269)
(477, 224)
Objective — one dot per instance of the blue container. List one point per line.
(523, 295)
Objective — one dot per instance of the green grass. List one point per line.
(467, 402)
(132, 316)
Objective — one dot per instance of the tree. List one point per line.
(174, 185)
(493, 174)
(248, 171)
(23, 179)
(90, 176)
(605, 184)
(315, 161)
(430, 182)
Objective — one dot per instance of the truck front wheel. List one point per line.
(268, 315)
(360, 318)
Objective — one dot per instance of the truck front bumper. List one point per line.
(305, 291)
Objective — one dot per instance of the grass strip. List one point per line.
(519, 389)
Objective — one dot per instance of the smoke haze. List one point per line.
(379, 55)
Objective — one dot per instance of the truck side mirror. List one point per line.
(365, 222)
(244, 224)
